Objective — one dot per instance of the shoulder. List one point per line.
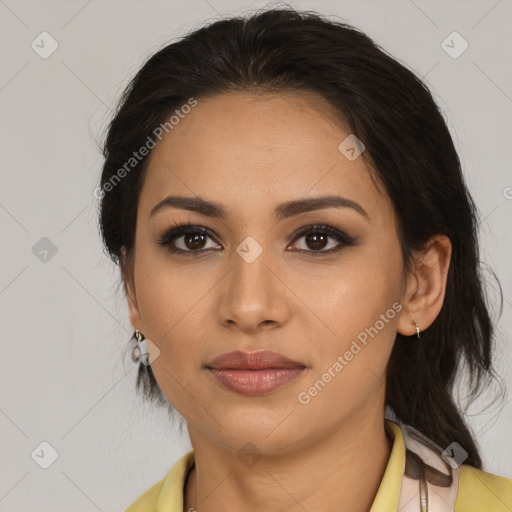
(480, 491)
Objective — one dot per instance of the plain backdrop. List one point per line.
(65, 376)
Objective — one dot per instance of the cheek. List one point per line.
(171, 316)
(350, 367)
(168, 294)
(360, 306)
(351, 295)
(170, 310)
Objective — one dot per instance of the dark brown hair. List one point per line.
(407, 144)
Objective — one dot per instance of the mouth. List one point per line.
(256, 373)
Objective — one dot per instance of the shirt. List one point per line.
(478, 490)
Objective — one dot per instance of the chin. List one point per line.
(272, 431)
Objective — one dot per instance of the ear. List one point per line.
(426, 286)
(129, 289)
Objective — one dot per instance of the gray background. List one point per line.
(64, 376)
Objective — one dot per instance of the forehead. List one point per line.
(247, 150)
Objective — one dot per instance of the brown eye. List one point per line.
(187, 238)
(194, 241)
(316, 239)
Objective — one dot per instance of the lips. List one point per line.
(256, 373)
(252, 361)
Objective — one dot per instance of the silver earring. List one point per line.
(417, 329)
(140, 352)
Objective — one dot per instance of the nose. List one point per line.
(253, 296)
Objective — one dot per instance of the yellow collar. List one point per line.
(477, 489)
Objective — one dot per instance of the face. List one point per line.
(272, 270)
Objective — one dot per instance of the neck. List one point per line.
(342, 471)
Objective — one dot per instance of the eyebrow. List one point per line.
(282, 211)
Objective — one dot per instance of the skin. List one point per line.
(250, 153)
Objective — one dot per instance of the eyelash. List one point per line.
(178, 231)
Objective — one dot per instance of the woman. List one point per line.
(298, 250)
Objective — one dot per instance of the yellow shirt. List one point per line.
(478, 491)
